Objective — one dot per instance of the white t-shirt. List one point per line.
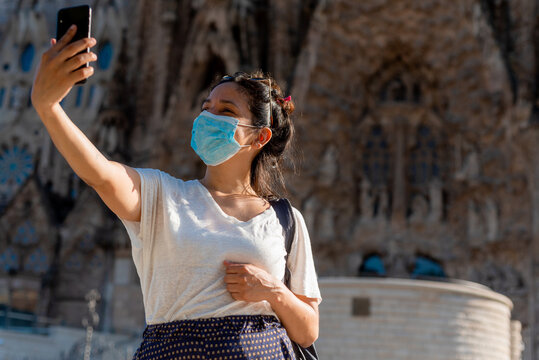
(182, 239)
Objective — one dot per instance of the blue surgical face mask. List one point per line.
(212, 137)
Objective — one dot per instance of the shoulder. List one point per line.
(298, 217)
(159, 178)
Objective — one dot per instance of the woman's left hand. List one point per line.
(247, 282)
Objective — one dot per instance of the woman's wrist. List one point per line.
(46, 111)
(278, 294)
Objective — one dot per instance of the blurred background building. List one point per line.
(418, 133)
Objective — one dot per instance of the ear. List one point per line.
(263, 137)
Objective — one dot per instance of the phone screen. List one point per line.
(78, 15)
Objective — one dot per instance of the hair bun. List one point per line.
(287, 104)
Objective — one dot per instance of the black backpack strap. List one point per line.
(283, 209)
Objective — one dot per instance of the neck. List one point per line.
(228, 178)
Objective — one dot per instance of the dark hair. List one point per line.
(269, 109)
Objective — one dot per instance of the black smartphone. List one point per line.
(80, 16)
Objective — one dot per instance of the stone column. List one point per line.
(398, 212)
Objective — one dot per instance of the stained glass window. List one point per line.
(80, 92)
(27, 57)
(74, 262)
(26, 235)
(9, 260)
(424, 158)
(97, 261)
(91, 96)
(376, 157)
(16, 165)
(104, 58)
(2, 94)
(37, 262)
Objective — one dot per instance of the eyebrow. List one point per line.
(221, 101)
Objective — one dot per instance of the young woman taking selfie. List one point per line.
(210, 253)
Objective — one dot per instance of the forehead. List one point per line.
(231, 93)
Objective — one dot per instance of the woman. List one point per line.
(209, 253)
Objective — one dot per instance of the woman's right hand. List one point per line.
(57, 71)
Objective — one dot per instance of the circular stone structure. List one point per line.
(387, 318)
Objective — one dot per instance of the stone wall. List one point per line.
(413, 319)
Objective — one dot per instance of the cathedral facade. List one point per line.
(416, 152)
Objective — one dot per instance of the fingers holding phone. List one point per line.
(60, 68)
(66, 63)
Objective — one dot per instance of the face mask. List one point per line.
(212, 137)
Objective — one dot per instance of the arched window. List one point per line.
(427, 267)
(376, 157)
(91, 95)
(401, 88)
(372, 265)
(80, 92)
(424, 158)
(14, 97)
(2, 94)
(104, 57)
(27, 57)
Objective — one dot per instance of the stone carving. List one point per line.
(490, 214)
(436, 201)
(329, 167)
(474, 223)
(383, 206)
(482, 221)
(503, 278)
(470, 167)
(366, 200)
(327, 224)
(420, 209)
(309, 212)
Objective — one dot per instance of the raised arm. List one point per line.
(118, 185)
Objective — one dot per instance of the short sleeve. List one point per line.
(303, 278)
(142, 234)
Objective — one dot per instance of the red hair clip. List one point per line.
(285, 100)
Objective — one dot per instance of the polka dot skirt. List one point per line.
(238, 337)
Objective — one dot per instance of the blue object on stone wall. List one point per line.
(27, 57)
(16, 165)
(374, 265)
(427, 267)
(105, 56)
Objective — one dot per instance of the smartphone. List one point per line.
(80, 16)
